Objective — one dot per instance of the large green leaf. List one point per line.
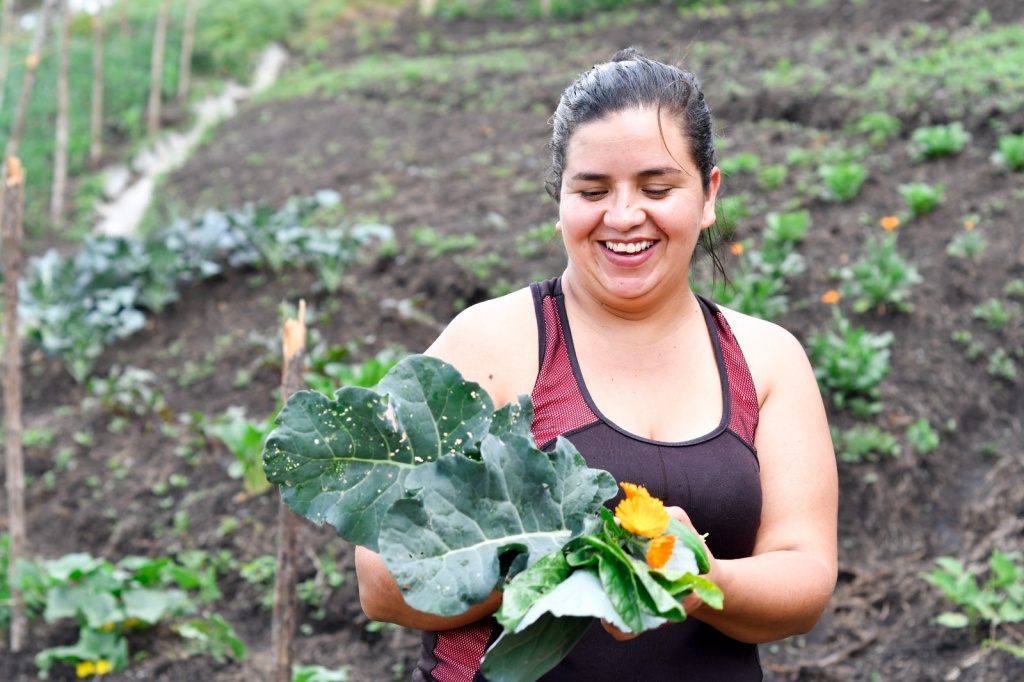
(444, 546)
(343, 461)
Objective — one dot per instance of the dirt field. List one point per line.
(460, 147)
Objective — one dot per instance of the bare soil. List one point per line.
(429, 159)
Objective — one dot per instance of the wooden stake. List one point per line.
(60, 152)
(156, 67)
(188, 32)
(282, 631)
(96, 115)
(11, 228)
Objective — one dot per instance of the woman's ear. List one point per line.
(709, 217)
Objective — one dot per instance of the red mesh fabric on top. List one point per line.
(558, 403)
(743, 406)
(460, 651)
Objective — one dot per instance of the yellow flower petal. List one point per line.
(643, 515)
(85, 669)
(633, 490)
(660, 550)
(103, 666)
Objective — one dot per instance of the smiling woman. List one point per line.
(713, 412)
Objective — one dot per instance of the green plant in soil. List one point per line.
(881, 279)
(842, 180)
(930, 142)
(1001, 365)
(863, 443)
(922, 437)
(994, 313)
(849, 363)
(969, 245)
(1010, 152)
(244, 438)
(879, 126)
(109, 602)
(921, 197)
(997, 603)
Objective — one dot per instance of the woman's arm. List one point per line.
(784, 587)
(493, 344)
(382, 600)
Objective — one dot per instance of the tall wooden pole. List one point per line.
(156, 66)
(10, 226)
(60, 152)
(188, 32)
(96, 103)
(282, 631)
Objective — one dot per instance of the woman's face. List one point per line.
(631, 208)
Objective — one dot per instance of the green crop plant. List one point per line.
(863, 443)
(849, 363)
(129, 391)
(330, 375)
(1002, 366)
(881, 278)
(921, 197)
(772, 176)
(729, 210)
(970, 244)
(996, 603)
(879, 126)
(735, 164)
(842, 180)
(244, 439)
(1014, 288)
(436, 244)
(994, 313)
(973, 349)
(530, 243)
(109, 602)
(930, 142)
(1010, 152)
(922, 437)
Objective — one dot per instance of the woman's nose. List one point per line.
(625, 212)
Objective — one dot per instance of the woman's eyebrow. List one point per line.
(649, 173)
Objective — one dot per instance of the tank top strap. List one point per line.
(741, 398)
(559, 406)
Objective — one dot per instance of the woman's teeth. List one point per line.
(631, 247)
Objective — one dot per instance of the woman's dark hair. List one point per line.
(633, 81)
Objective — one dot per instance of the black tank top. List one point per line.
(715, 478)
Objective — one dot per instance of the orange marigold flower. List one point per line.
(643, 515)
(736, 248)
(632, 490)
(660, 550)
(968, 225)
(890, 223)
(831, 296)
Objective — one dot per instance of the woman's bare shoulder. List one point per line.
(494, 343)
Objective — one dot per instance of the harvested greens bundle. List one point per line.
(459, 501)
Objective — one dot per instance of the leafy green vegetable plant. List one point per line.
(881, 278)
(863, 442)
(244, 438)
(969, 245)
(842, 179)
(318, 673)
(922, 437)
(108, 602)
(994, 313)
(921, 197)
(879, 126)
(996, 602)
(1010, 152)
(931, 142)
(849, 363)
(1002, 366)
(459, 501)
